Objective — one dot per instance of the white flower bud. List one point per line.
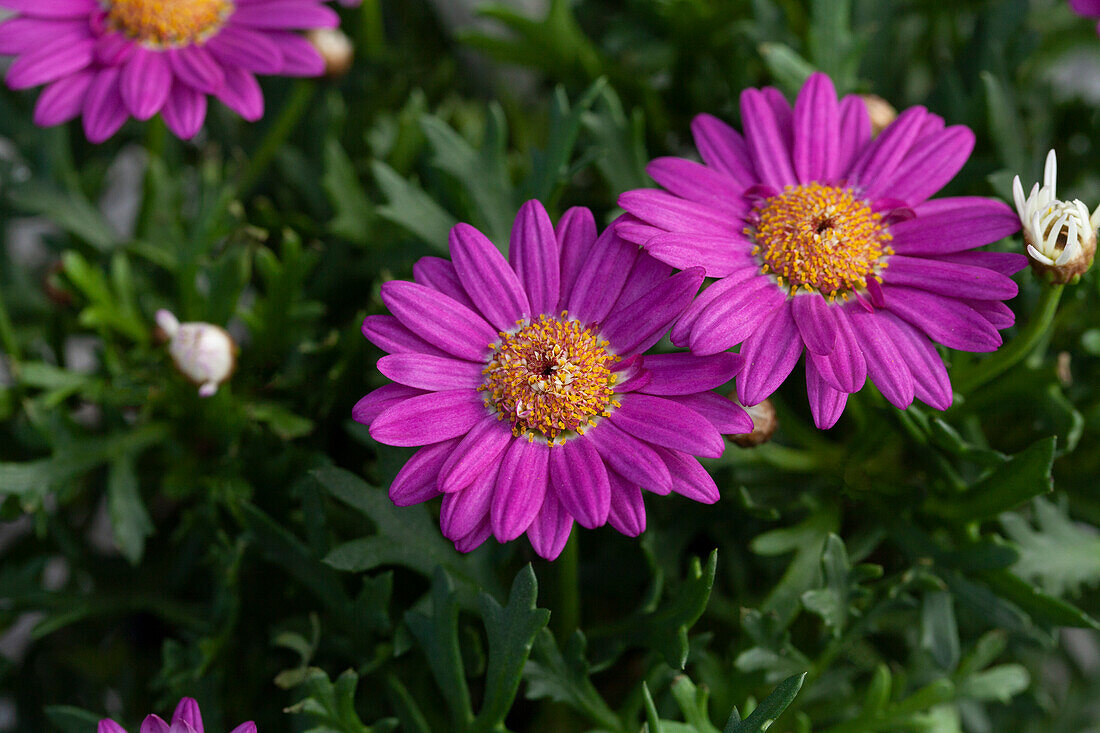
(203, 352)
(764, 424)
(1060, 235)
(335, 48)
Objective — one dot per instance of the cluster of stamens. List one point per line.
(549, 378)
(820, 238)
(168, 23)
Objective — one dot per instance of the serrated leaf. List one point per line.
(565, 678)
(1022, 477)
(438, 636)
(1058, 553)
(129, 519)
(692, 700)
(939, 630)
(511, 631)
(550, 167)
(69, 210)
(619, 149)
(353, 208)
(1000, 683)
(408, 206)
(831, 602)
(770, 708)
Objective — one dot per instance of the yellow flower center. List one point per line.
(550, 377)
(820, 238)
(168, 23)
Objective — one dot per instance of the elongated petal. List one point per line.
(679, 374)
(770, 354)
(881, 158)
(109, 726)
(640, 325)
(689, 478)
(425, 371)
(697, 182)
(854, 133)
(576, 233)
(601, 277)
(187, 711)
(520, 489)
(439, 320)
(946, 320)
(885, 365)
(954, 224)
(579, 478)
(429, 418)
(480, 449)
(816, 322)
(534, 254)
(931, 384)
(949, 278)
(844, 368)
(826, 404)
(153, 724)
(634, 459)
(462, 512)
(674, 214)
(723, 148)
(667, 423)
(488, 278)
(816, 130)
(683, 327)
(767, 142)
(441, 275)
(627, 513)
(380, 400)
(735, 316)
(417, 481)
(550, 530)
(718, 255)
(930, 164)
(724, 414)
(387, 333)
(145, 83)
(104, 111)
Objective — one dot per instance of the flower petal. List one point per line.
(826, 404)
(533, 252)
(816, 130)
(679, 374)
(719, 255)
(601, 277)
(579, 477)
(417, 481)
(724, 414)
(948, 278)
(885, 365)
(439, 320)
(634, 459)
(844, 368)
(723, 148)
(478, 451)
(770, 353)
(576, 233)
(667, 423)
(378, 401)
(644, 322)
(488, 278)
(766, 138)
(429, 418)
(931, 383)
(627, 513)
(520, 488)
(689, 478)
(733, 317)
(815, 321)
(436, 373)
(550, 530)
(954, 224)
(463, 511)
(946, 320)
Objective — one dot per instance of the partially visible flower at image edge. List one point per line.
(108, 61)
(186, 719)
(525, 380)
(824, 242)
(1087, 8)
(1060, 235)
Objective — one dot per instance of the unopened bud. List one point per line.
(335, 48)
(881, 112)
(764, 423)
(1060, 235)
(203, 352)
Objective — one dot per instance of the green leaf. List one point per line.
(939, 630)
(786, 65)
(1000, 683)
(807, 541)
(831, 602)
(1004, 124)
(438, 636)
(619, 143)
(282, 421)
(511, 631)
(830, 41)
(69, 210)
(652, 720)
(411, 208)
(550, 167)
(129, 519)
(665, 628)
(693, 704)
(769, 709)
(72, 719)
(1058, 553)
(1023, 476)
(565, 678)
(1043, 608)
(354, 209)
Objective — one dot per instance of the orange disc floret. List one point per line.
(550, 377)
(820, 237)
(168, 23)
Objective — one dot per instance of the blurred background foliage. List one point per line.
(902, 572)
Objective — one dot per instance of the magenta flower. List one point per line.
(113, 59)
(1087, 8)
(824, 241)
(186, 719)
(526, 384)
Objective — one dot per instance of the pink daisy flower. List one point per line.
(824, 242)
(525, 380)
(1087, 8)
(186, 719)
(108, 60)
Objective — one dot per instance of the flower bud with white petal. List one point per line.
(1060, 235)
(204, 353)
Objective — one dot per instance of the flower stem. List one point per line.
(1017, 349)
(569, 601)
(300, 97)
(374, 37)
(8, 341)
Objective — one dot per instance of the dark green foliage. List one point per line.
(903, 571)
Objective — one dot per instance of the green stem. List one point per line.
(1017, 349)
(8, 340)
(569, 601)
(374, 35)
(300, 97)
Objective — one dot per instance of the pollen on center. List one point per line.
(168, 23)
(550, 378)
(820, 238)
